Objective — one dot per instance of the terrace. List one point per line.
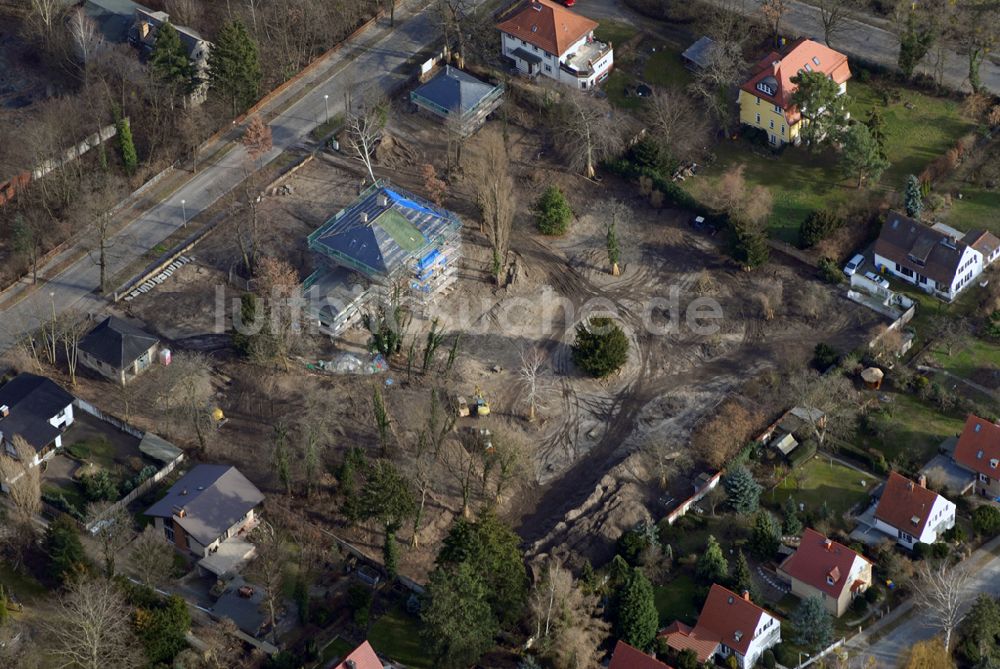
(581, 63)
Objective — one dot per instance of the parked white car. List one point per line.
(851, 267)
(881, 281)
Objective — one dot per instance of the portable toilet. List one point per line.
(165, 356)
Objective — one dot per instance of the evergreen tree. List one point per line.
(743, 577)
(458, 624)
(636, 619)
(552, 212)
(712, 566)
(742, 489)
(792, 526)
(162, 629)
(913, 198)
(877, 129)
(65, 551)
(614, 252)
(765, 536)
(601, 347)
(749, 243)
(823, 107)
(812, 624)
(980, 634)
(387, 497)
(862, 156)
(130, 159)
(169, 59)
(234, 66)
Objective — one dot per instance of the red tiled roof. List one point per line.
(725, 618)
(548, 25)
(804, 54)
(363, 656)
(817, 558)
(979, 447)
(983, 241)
(905, 505)
(627, 657)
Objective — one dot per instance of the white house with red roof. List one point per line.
(909, 512)
(766, 97)
(978, 450)
(728, 625)
(543, 37)
(827, 569)
(627, 657)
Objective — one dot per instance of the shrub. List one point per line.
(955, 535)
(552, 212)
(986, 521)
(127, 147)
(359, 601)
(647, 153)
(830, 271)
(871, 594)
(768, 659)
(817, 227)
(601, 347)
(99, 487)
(824, 357)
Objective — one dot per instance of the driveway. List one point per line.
(371, 62)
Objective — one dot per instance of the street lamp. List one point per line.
(184, 214)
(326, 103)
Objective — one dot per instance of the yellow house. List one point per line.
(766, 98)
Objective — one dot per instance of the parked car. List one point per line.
(852, 267)
(881, 281)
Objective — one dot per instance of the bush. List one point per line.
(768, 659)
(359, 601)
(824, 357)
(871, 594)
(601, 347)
(986, 521)
(859, 606)
(955, 535)
(830, 271)
(552, 212)
(646, 153)
(99, 487)
(818, 226)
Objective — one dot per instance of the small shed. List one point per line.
(872, 377)
(786, 444)
(696, 56)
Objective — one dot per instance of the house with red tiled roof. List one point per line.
(909, 512)
(978, 450)
(827, 569)
(728, 625)
(362, 657)
(766, 97)
(541, 37)
(627, 657)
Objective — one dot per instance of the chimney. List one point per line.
(922, 481)
(4, 411)
(383, 200)
(828, 544)
(184, 491)
(746, 595)
(909, 486)
(364, 217)
(351, 664)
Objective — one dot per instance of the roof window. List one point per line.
(979, 427)
(816, 61)
(994, 462)
(915, 520)
(979, 454)
(738, 635)
(808, 67)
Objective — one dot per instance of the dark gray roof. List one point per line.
(526, 56)
(246, 612)
(32, 401)
(920, 248)
(454, 90)
(213, 498)
(382, 231)
(117, 343)
(114, 18)
(697, 53)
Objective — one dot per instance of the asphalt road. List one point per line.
(918, 626)
(368, 63)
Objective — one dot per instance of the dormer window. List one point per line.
(994, 462)
(978, 427)
(738, 635)
(915, 520)
(764, 88)
(979, 454)
(829, 580)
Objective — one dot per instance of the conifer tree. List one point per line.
(169, 59)
(743, 577)
(234, 66)
(636, 619)
(712, 566)
(913, 199)
(614, 252)
(742, 489)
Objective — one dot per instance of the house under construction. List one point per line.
(389, 237)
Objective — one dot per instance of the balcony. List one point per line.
(581, 63)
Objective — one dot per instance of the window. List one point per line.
(782, 129)
(774, 140)
(168, 531)
(816, 60)
(758, 101)
(548, 68)
(777, 109)
(758, 118)
(772, 124)
(993, 463)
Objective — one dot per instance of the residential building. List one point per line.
(909, 512)
(207, 513)
(543, 37)
(765, 99)
(978, 450)
(827, 569)
(118, 350)
(362, 657)
(931, 259)
(627, 657)
(458, 99)
(387, 237)
(729, 624)
(37, 410)
(986, 243)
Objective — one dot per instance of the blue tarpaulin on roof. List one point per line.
(399, 199)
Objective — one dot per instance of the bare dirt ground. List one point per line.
(589, 482)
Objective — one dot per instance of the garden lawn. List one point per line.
(665, 68)
(614, 32)
(916, 429)
(336, 649)
(801, 181)
(819, 481)
(23, 586)
(615, 86)
(977, 355)
(677, 600)
(99, 451)
(977, 209)
(396, 636)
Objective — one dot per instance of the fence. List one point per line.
(819, 656)
(118, 423)
(686, 505)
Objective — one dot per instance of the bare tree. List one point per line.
(773, 11)
(87, 39)
(830, 401)
(364, 131)
(112, 527)
(271, 561)
(495, 197)
(940, 591)
(182, 393)
(677, 124)
(510, 463)
(532, 363)
(834, 15)
(97, 212)
(184, 12)
(43, 18)
(716, 82)
(665, 458)
(24, 490)
(567, 630)
(256, 138)
(588, 131)
(71, 331)
(464, 465)
(152, 557)
(87, 630)
(724, 433)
